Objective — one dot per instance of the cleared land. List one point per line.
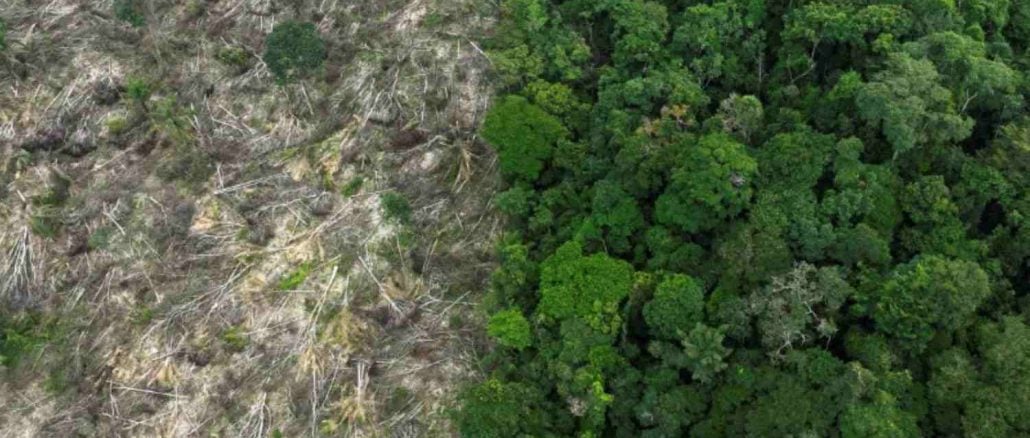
(228, 256)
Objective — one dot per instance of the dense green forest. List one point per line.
(760, 218)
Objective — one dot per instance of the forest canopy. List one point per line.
(760, 218)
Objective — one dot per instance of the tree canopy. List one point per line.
(760, 218)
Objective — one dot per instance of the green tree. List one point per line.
(795, 160)
(927, 295)
(713, 184)
(677, 306)
(496, 409)
(799, 307)
(986, 396)
(741, 116)
(640, 30)
(616, 215)
(586, 287)
(724, 42)
(293, 50)
(510, 329)
(704, 352)
(975, 80)
(908, 101)
(524, 135)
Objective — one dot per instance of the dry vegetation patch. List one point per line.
(189, 248)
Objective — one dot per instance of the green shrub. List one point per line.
(130, 11)
(138, 90)
(235, 339)
(293, 50)
(116, 125)
(295, 278)
(353, 186)
(396, 207)
(23, 334)
(172, 120)
(235, 57)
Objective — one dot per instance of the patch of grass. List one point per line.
(295, 278)
(455, 322)
(432, 20)
(188, 165)
(142, 315)
(194, 8)
(51, 198)
(56, 193)
(328, 427)
(396, 207)
(19, 161)
(56, 382)
(399, 399)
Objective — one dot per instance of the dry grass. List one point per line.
(216, 266)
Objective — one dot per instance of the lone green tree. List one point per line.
(293, 50)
